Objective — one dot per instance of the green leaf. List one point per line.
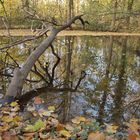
(39, 124)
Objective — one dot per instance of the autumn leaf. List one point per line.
(134, 126)
(69, 127)
(38, 100)
(28, 136)
(51, 108)
(7, 119)
(43, 136)
(132, 136)
(29, 128)
(96, 136)
(111, 128)
(65, 133)
(78, 120)
(38, 125)
(59, 127)
(13, 104)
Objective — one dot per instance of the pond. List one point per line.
(104, 70)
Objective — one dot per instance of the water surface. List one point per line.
(111, 88)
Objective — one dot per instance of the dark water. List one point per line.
(111, 88)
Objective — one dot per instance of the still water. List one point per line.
(104, 70)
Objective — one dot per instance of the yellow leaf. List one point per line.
(65, 133)
(69, 127)
(96, 136)
(51, 108)
(17, 119)
(46, 113)
(13, 104)
(77, 120)
(82, 119)
(111, 128)
(7, 119)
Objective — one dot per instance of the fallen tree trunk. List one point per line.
(20, 74)
(24, 99)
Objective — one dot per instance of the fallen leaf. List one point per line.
(96, 136)
(13, 104)
(132, 136)
(28, 136)
(69, 127)
(59, 127)
(111, 128)
(7, 119)
(65, 133)
(51, 108)
(78, 120)
(38, 100)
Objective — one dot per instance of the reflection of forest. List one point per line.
(112, 72)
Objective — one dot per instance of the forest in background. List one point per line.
(100, 15)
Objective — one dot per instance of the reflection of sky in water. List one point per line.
(133, 85)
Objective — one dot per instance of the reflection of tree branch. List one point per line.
(39, 74)
(26, 39)
(55, 65)
(136, 100)
(82, 76)
(13, 59)
(45, 70)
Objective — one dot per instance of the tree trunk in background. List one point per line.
(77, 7)
(70, 9)
(115, 2)
(129, 10)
